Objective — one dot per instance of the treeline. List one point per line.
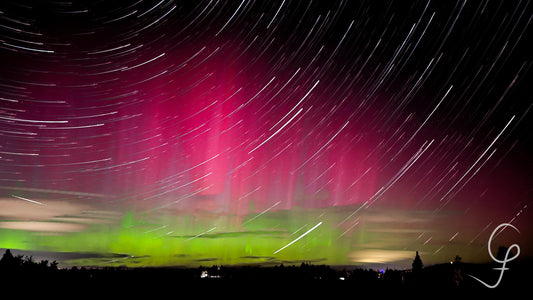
(449, 276)
(20, 263)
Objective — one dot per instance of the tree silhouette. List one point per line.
(417, 264)
(8, 261)
(7, 256)
(18, 263)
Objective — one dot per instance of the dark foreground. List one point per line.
(250, 281)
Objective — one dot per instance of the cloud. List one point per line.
(379, 256)
(255, 257)
(207, 259)
(64, 256)
(16, 209)
(235, 234)
(43, 226)
(390, 215)
(398, 230)
(45, 215)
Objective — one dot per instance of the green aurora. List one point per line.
(140, 239)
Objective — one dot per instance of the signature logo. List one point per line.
(506, 259)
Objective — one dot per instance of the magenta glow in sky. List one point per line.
(401, 128)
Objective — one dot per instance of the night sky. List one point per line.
(149, 133)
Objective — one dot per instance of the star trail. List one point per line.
(346, 132)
